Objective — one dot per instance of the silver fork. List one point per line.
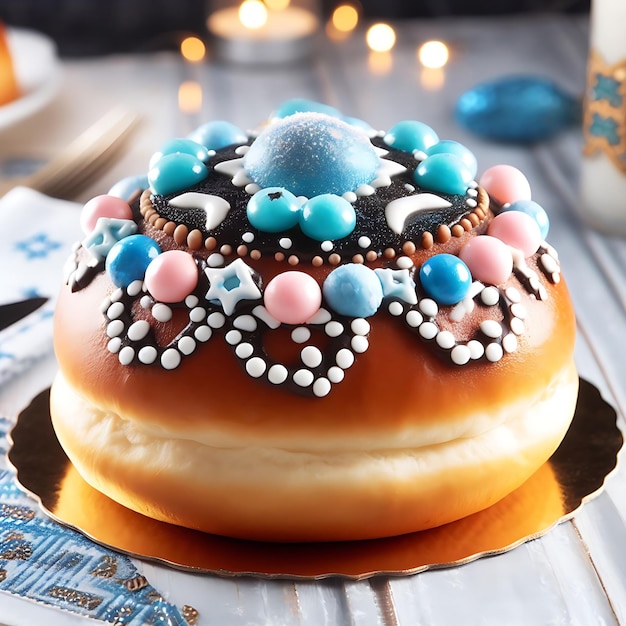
(83, 160)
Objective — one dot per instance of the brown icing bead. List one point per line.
(473, 218)
(389, 253)
(149, 213)
(153, 217)
(371, 256)
(466, 224)
(159, 223)
(427, 240)
(226, 249)
(210, 243)
(408, 247)
(180, 234)
(255, 254)
(279, 256)
(317, 261)
(480, 213)
(242, 250)
(358, 258)
(195, 240)
(293, 260)
(457, 230)
(443, 234)
(334, 259)
(169, 228)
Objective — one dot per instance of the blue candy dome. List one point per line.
(312, 154)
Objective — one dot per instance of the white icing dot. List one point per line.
(471, 203)
(203, 333)
(104, 306)
(414, 318)
(134, 289)
(171, 359)
(360, 326)
(334, 328)
(446, 340)
(256, 367)
(216, 320)
(541, 292)
(311, 356)
(126, 355)
(215, 260)
(247, 323)
(321, 387)
(138, 330)
(277, 374)
(509, 342)
(494, 352)
(513, 294)
(233, 337)
(252, 188)
(321, 317)
(114, 345)
(409, 188)
(244, 350)
(519, 310)
(263, 314)
(115, 328)
(117, 295)
(428, 330)
(303, 378)
(326, 246)
(419, 155)
(364, 242)
(404, 262)
(191, 301)
(187, 345)
(550, 264)
(285, 243)
(344, 358)
(335, 374)
(395, 308)
(247, 237)
(300, 334)
(147, 355)
(350, 196)
(145, 302)
(115, 310)
(359, 344)
(460, 355)
(197, 314)
(491, 328)
(556, 278)
(517, 325)
(476, 349)
(161, 312)
(428, 307)
(490, 296)
(241, 150)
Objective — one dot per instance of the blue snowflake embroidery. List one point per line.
(607, 88)
(38, 246)
(605, 127)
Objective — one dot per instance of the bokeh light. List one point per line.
(190, 97)
(380, 37)
(277, 5)
(345, 18)
(433, 54)
(253, 14)
(192, 49)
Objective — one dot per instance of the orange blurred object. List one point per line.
(9, 89)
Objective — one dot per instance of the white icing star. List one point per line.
(230, 284)
(398, 210)
(397, 284)
(107, 232)
(216, 208)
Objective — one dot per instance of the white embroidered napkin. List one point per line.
(36, 236)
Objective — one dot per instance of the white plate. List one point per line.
(38, 74)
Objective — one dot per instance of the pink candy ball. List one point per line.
(518, 230)
(103, 206)
(292, 297)
(171, 276)
(489, 259)
(505, 183)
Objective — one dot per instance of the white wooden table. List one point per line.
(576, 574)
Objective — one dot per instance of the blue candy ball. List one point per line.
(128, 187)
(129, 258)
(175, 172)
(447, 146)
(185, 146)
(445, 278)
(273, 210)
(536, 211)
(218, 134)
(445, 173)
(353, 290)
(410, 135)
(327, 217)
(312, 154)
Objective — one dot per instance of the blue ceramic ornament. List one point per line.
(129, 258)
(327, 217)
(411, 135)
(218, 134)
(536, 211)
(185, 146)
(447, 146)
(517, 109)
(353, 290)
(175, 172)
(445, 278)
(445, 173)
(273, 210)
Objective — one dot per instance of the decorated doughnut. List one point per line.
(313, 332)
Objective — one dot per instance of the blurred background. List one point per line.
(94, 27)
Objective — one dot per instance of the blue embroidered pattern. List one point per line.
(38, 246)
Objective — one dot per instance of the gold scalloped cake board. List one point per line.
(575, 473)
